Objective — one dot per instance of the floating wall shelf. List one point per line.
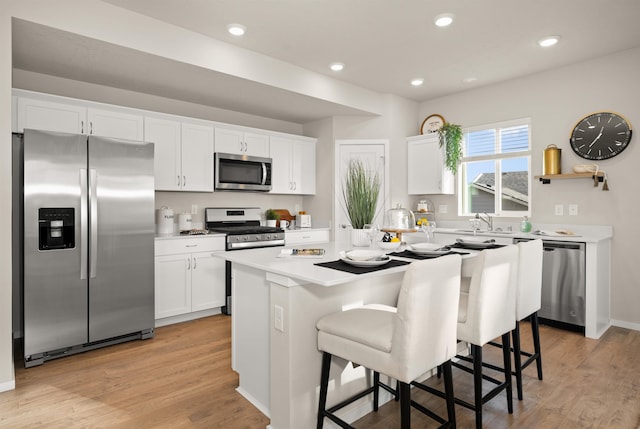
(548, 177)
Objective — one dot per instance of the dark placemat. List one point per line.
(462, 246)
(410, 254)
(343, 266)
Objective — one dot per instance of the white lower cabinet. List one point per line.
(188, 278)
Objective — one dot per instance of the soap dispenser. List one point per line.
(525, 225)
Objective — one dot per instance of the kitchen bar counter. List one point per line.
(276, 304)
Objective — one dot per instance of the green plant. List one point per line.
(451, 137)
(271, 214)
(360, 191)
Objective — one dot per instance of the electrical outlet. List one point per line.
(559, 210)
(278, 318)
(194, 209)
(443, 208)
(296, 210)
(573, 210)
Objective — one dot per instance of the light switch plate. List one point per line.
(573, 210)
(443, 208)
(278, 316)
(559, 210)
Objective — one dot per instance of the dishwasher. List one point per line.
(563, 284)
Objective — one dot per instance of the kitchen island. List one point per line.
(276, 304)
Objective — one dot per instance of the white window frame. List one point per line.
(498, 173)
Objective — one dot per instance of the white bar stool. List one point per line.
(488, 311)
(403, 344)
(528, 302)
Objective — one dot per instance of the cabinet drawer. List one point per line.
(188, 245)
(304, 237)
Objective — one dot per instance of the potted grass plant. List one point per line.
(272, 217)
(451, 138)
(360, 191)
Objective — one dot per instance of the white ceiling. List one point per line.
(383, 43)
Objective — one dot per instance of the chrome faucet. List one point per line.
(488, 220)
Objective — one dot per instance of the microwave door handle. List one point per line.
(264, 173)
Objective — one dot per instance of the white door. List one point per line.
(172, 285)
(373, 153)
(207, 281)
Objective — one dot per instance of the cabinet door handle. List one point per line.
(178, 181)
(194, 263)
(188, 264)
(90, 127)
(191, 245)
(184, 181)
(81, 127)
(241, 146)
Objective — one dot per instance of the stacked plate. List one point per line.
(475, 243)
(364, 258)
(429, 249)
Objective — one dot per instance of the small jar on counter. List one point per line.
(525, 225)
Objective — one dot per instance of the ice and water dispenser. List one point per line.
(56, 229)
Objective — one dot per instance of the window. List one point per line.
(496, 162)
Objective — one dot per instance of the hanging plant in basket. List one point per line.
(451, 138)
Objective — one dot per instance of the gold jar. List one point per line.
(551, 160)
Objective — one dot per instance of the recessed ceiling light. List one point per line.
(236, 29)
(469, 79)
(417, 82)
(336, 66)
(548, 41)
(443, 20)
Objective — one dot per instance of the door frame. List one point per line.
(337, 179)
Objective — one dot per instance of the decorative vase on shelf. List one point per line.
(360, 238)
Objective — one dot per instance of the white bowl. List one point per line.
(426, 246)
(389, 245)
(363, 255)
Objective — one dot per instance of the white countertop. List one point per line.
(580, 234)
(177, 235)
(302, 269)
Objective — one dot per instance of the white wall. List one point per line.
(555, 101)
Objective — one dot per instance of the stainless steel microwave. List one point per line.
(241, 172)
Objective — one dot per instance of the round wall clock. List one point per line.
(601, 135)
(431, 124)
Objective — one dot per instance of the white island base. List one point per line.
(275, 306)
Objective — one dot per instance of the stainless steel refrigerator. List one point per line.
(86, 222)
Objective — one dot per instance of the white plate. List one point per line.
(426, 246)
(429, 252)
(476, 243)
(385, 259)
(363, 255)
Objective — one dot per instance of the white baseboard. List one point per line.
(186, 317)
(259, 405)
(8, 385)
(627, 325)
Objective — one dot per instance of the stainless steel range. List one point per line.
(243, 230)
(242, 227)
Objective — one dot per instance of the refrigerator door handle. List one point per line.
(84, 217)
(93, 237)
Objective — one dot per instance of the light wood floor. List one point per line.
(182, 378)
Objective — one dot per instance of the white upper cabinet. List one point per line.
(294, 166)
(165, 134)
(111, 123)
(51, 116)
(197, 157)
(183, 154)
(241, 143)
(426, 169)
(78, 119)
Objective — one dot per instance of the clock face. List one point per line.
(600, 135)
(431, 124)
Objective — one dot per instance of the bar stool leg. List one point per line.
(535, 331)
(449, 396)
(405, 406)
(477, 383)
(517, 357)
(376, 385)
(506, 353)
(324, 384)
